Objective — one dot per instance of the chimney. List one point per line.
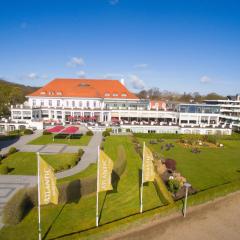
(122, 81)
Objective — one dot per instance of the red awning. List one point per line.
(70, 130)
(55, 129)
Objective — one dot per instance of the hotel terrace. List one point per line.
(102, 103)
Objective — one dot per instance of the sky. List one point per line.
(174, 45)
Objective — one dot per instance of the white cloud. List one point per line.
(205, 79)
(113, 2)
(81, 74)
(75, 61)
(34, 76)
(136, 82)
(141, 65)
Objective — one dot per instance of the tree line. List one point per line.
(156, 94)
(12, 94)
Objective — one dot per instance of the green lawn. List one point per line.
(80, 216)
(211, 167)
(25, 163)
(89, 171)
(215, 171)
(79, 140)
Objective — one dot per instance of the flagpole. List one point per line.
(97, 188)
(141, 199)
(39, 201)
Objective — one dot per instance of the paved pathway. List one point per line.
(20, 143)
(10, 184)
(89, 156)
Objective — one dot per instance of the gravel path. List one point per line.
(217, 220)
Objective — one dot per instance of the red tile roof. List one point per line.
(89, 88)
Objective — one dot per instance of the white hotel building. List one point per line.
(108, 102)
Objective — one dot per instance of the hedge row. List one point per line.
(25, 199)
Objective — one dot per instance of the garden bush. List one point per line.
(12, 150)
(28, 132)
(173, 185)
(17, 207)
(80, 152)
(170, 164)
(3, 169)
(89, 133)
(105, 133)
(45, 132)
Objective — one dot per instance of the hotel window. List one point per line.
(67, 104)
(42, 102)
(87, 103)
(80, 104)
(73, 103)
(34, 102)
(58, 103)
(94, 104)
(50, 102)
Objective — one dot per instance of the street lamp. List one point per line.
(187, 186)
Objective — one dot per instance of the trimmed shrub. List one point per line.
(3, 169)
(12, 150)
(105, 133)
(170, 164)
(109, 129)
(17, 207)
(73, 190)
(28, 132)
(80, 152)
(45, 132)
(121, 162)
(89, 133)
(173, 185)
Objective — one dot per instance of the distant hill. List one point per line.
(11, 94)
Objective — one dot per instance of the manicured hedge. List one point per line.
(28, 132)
(105, 133)
(89, 133)
(3, 169)
(12, 150)
(121, 162)
(17, 207)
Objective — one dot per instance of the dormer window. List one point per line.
(115, 94)
(43, 93)
(84, 85)
(50, 93)
(123, 94)
(107, 94)
(59, 93)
